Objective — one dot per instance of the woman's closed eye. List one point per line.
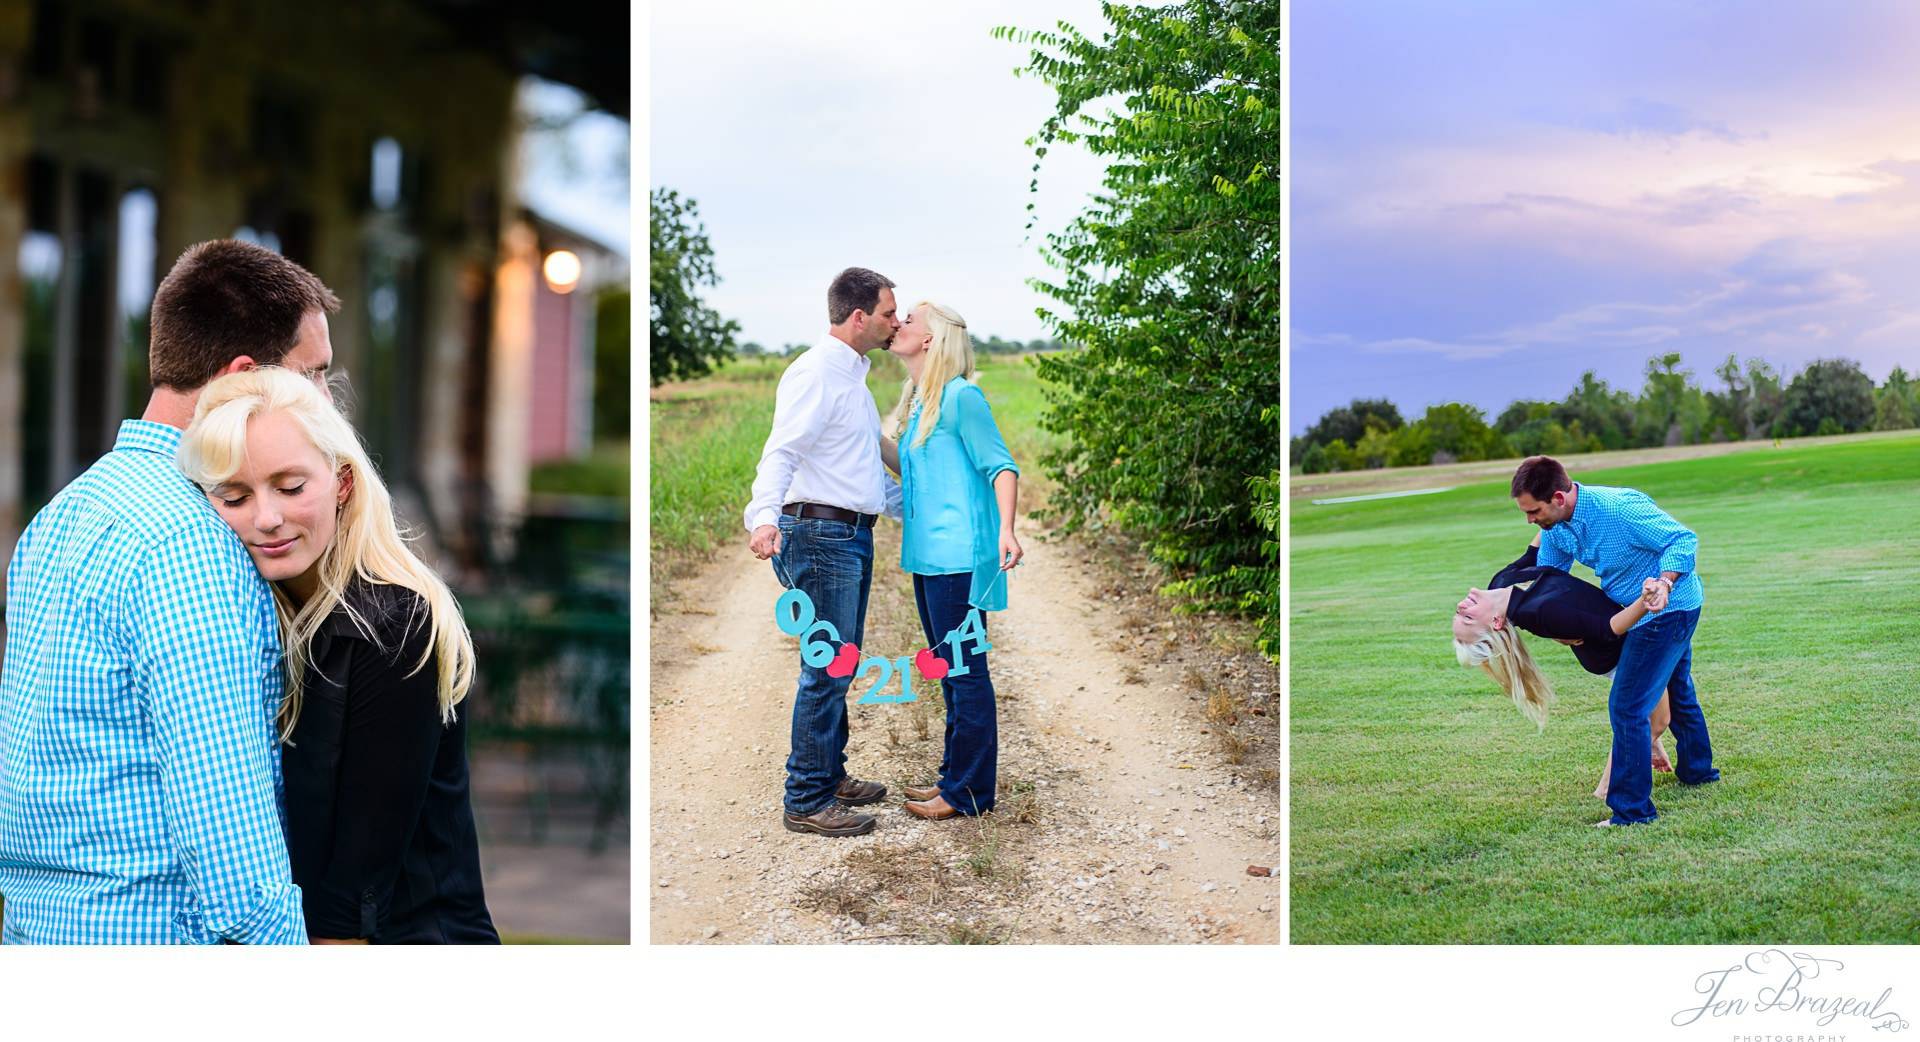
(233, 501)
(295, 490)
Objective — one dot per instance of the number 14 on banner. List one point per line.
(795, 615)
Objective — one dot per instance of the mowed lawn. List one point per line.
(706, 436)
(1425, 809)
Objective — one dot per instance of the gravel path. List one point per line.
(1121, 819)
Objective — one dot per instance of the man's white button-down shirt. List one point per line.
(825, 444)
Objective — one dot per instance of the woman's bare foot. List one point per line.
(1660, 761)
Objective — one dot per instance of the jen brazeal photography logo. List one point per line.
(1793, 992)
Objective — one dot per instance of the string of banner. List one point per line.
(821, 646)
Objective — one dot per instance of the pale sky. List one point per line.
(1490, 198)
(817, 135)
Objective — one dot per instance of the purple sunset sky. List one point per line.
(1488, 199)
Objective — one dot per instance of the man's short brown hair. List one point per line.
(1540, 477)
(225, 298)
(855, 289)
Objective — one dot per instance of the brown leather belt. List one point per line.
(826, 513)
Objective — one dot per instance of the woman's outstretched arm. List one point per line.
(1624, 619)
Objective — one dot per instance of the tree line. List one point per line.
(1830, 396)
(991, 345)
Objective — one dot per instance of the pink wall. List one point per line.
(550, 419)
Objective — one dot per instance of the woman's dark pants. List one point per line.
(971, 756)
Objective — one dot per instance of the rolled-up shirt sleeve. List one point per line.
(799, 412)
(1656, 530)
(986, 450)
(207, 684)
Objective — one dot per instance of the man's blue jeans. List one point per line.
(1658, 656)
(970, 758)
(832, 561)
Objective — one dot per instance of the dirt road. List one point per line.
(1121, 819)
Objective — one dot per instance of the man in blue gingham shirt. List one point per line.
(139, 764)
(1636, 549)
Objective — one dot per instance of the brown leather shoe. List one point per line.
(830, 820)
(856, 793)
(921, 793)
(935, 809)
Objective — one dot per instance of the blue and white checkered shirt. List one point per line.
(139, 774)
(1626, 540)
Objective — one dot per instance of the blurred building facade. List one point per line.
(373, 142)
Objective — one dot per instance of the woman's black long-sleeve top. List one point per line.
(379, 823)
(1559, 606)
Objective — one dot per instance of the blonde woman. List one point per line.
(1546, 602)
(959, 490)
(379, 824)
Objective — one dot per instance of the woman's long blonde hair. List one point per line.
(950, 355)
(1504, 656)
(367, 544)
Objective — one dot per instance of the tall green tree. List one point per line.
(1830, 396)
(1671, 410)
(1893, 406)
(1351, 422)
(687, 337)
(1600, 411)
(1170, 283)
(1766, 399)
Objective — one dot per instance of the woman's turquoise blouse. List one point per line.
(952, 519)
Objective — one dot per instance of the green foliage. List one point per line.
(608, 472)
(1170, 282)
(1894, 402)
(613, 366)
(1459, 432)
(1350, 423)
(1605, 414)
(1266, 603)
(1320, 460)
(1829, 397)
(993, 345)
(1767, 400)
(687, 338)
(1670, 410)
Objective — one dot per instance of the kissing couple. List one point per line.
(822, 483)
(228, 710)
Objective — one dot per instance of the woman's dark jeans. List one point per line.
(970, 759)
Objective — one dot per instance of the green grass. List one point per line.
(1425, 809)
(707, 435)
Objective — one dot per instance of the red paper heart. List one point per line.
(843, 663)
(930, 665)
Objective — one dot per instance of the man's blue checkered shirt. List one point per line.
(139, 775)
(1626, 539)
